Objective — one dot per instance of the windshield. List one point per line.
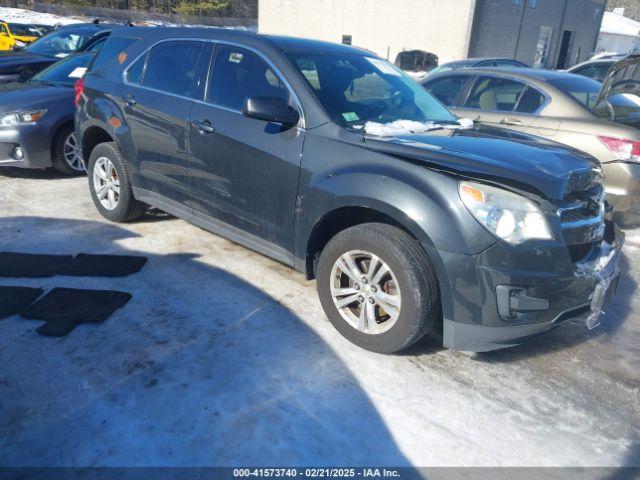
(58, 44)
(65, 71)
(20, 30)
(582, 89)
(355, 89)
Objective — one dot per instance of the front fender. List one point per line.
(429, 214)
(429, 208)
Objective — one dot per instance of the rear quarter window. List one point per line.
(112, 53)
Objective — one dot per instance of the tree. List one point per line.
(211, 8)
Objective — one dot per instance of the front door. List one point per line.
(157, 99)
(243, 171)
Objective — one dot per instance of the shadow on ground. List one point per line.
(34, 174)
(201, 368)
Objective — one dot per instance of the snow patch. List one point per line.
(403, 127)
(19, 15)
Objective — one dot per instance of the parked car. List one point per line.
(595, 69)
(477, 63)
(16, 35)
(23, 64)
(42, 29)
(416, 61)
(36, 118)
(562, 107)
(268, 141)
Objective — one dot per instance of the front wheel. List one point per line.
(110, 185)
(378, 287)
(66, 157)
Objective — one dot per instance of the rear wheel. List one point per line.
(378, 287)
(66, 154)
(110, 185)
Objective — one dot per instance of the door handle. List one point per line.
(204, 126)
(131, 101)
(510, 121)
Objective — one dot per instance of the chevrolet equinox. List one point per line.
(331, 160)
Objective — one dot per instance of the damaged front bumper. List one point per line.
(502, 298)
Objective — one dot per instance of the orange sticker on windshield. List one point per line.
(122, 57)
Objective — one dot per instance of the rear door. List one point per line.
(502, 102)
(244, 171)
(157, 98)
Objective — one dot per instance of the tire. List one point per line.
(124, 207)
(412, 280)
(65, 156)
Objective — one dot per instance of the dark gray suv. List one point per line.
(332, 161)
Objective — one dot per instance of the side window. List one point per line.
(447, 89)
(530, 101)
(491, 93)
(237, 74)
(134, 73)
(595, 71)
(171, 67)
(97, 46)
(111, 49)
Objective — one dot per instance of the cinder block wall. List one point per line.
(497, 30)
(385, 27)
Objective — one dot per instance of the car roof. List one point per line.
(290, 44)
(88, 27)
(524, 73)
(283, 43)
(471, 61)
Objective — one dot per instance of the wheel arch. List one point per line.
(92, 137)
(56, 133)
(346, 216)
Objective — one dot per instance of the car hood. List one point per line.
(622, 77)
(498, 156)
(12, 61)
(22, 96)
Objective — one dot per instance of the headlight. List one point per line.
(20, 43)
(511, 217)
(21, 118)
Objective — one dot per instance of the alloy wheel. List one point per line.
(366, 292)
(71, 153)
(106, 184)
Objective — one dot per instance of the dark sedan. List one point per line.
(36, 119)
(47, 50)
(477, 63)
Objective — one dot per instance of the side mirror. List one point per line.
(271, 109)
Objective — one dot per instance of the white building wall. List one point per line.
(385, 27)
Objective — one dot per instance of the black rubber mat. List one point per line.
(65, 308)
(32, 265)
(14, 300)
(90, 265)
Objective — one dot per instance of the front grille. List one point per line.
(585, 210)
(580, 251)
(583, 220)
